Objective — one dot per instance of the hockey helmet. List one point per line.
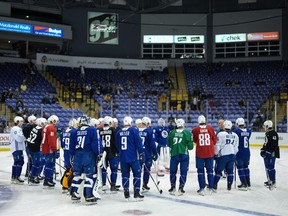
(227, 124)
(127, 121)
(180, 122)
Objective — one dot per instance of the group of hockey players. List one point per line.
(92, 145)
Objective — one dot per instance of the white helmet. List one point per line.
(84, 120)
(227, 124)
(127, 120)
(53, 118)
(18, 119)
(31, 118)
(94, 122)
(145, 120)
(180, 123)
(115, 120)
(41, 121)
(201, 119)
(72, 123)
(268, 124)
(240, 121)
(107, 120)
(138, 121)
(161, 122)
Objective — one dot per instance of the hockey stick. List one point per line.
(235, 175)
(60, 165)
(156, 170)
(60, 170)
(160, 190)
(97, 182)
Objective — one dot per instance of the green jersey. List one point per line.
(180, 141)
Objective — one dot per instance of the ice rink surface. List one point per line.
(22, 200)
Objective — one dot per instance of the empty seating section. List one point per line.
(12, 76)
(230, 83)
(140, 105)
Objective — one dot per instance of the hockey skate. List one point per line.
(33, 181)
(248, 183)
(243, 186)
(75, 197)
(181, 190)
(271, 185)
(90, 200)
(126, 194)
(138, 196)
(49, 184)
(145, 188)
(19, 181)
(215, 187)
(113, 188)
(172, 190)
(201, 192)
(229, 186)
(210, 191)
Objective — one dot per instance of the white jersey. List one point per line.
(227, 143)
(17, 139)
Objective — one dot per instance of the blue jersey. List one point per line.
(85, 139)
(129, 144)
(148, 142)
(243, 148)
(65, 138)
(161, 135)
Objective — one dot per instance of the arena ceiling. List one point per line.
(149, 6)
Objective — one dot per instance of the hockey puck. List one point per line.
(158, 182)
(161, 191)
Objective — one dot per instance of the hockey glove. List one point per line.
(56, 154)
(263, 153)
(142, 158)
(155, 157)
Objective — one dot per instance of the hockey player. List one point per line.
(34, 142)
(138, 123)
(179, 142)
(17, 140)
(65, 140)
(49, 150)
(108, 136)
(26, 131)
(94, 122)
(243, 154)
(115, 124)
(205, 139)
(161, 139)
(130, 149)
(148, 142)
(270, 151)
(84, 148)
(226, 149)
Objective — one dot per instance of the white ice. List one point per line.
(22, 200)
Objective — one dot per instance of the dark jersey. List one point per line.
(108, 137)
(271, 143)
(27, 129)
(35, 139)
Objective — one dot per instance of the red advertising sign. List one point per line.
(260, 36)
